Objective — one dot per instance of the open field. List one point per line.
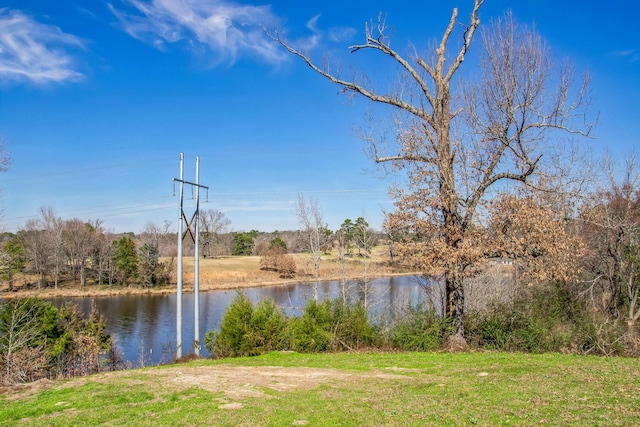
(216, 272)
(230, 272)
(284, 389)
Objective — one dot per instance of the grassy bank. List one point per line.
(344, 389)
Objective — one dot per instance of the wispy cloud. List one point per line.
(631, 54)
(340, 34)
(36, 52)
(226, 29)
(335, 34)
(313, 40)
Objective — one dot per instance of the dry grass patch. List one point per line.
(230, 272)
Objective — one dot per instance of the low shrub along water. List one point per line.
(330, 325)
(547, 319)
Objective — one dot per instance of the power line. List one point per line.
(126, 208)
(104, 211)
(226, 196)
(362, 194)
(115, 169)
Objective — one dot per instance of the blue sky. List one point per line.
(97, 100)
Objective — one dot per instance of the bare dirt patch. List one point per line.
(235, 382)
(23, 391)
(243, 381)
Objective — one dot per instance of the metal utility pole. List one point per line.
(196, 267)
(195, 219)
(179, 273)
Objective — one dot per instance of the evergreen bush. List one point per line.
(310, 333)
(247, 330)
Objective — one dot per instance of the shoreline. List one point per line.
(105, 291)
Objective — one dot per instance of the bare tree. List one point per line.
(363, 238)
(103, 258)
(80, 240)
(612, 233)
(156, 236)
(45, 244)
(37, 249)
(54, 227)
(455, 156)
(314, 232)
(314, 229)
(213, 224)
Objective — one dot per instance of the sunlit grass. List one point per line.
(351, 389)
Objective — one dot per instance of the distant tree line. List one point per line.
(50, 250)
(53, 251)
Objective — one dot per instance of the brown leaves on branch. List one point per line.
(522, 229)
(535, 236)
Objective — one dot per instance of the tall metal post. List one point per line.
(195, 235)
(179, 272)
(196, 267)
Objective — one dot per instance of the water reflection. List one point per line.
(145, 325)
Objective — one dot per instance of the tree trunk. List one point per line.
(454, 287)
(83, 274)
(57, 276)
(74, 271)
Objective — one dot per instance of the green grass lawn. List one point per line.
(404, 389)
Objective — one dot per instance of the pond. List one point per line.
(145, 325)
